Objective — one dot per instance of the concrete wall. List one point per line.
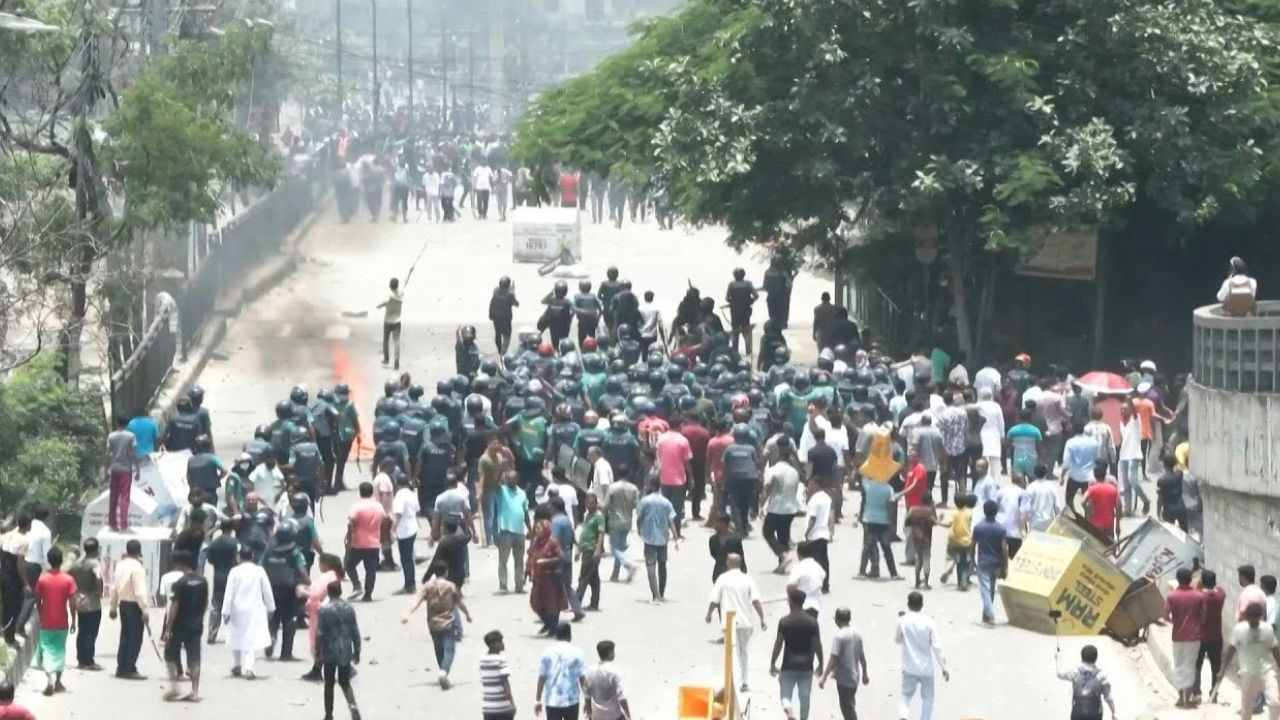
(1233, 453)
(1233, 441)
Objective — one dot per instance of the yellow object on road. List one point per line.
(1065, 574)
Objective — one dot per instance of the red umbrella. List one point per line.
(1101, 382)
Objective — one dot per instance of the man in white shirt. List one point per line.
(36, 561)
(601, 473)
(808, 577)
(988, 378)
(391, 322)
(780, 498)
(1014, 505)
(817, 528)
(921, 650)
(736, 591)
(267, 480)
(651, 321)
(404, 526)
(1042, 501)
(565, 491)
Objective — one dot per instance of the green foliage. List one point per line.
(173, 139)
(51, 450)
(987, 123)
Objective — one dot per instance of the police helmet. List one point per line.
(584, 286)
(800, 382)
(674, 374)
(185, 405)
(390, 387)
(561, 288)
(566, 346)
(534, 405)
(475, 405)
(298, 395)
(781, 356)
(325, 394)
(243, 463)
(262, 432)
(342, 390)
(612, 386)
(461, 383)
(655, 359)
(444, 387)
(300, 503)
(416, 392)
(286, 534)
(590, 419)
(390, 432)
(440, 404)
(397, 407)
(284, 410)
(742, 433)
(489, 367)
(468, 332)
(626, 332)
(196, 393)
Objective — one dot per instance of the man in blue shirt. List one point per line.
(655, 523)
(875, 515)
(512, 524)
(989, 549)
(1078, 457)
(562, 531)
(145, 430)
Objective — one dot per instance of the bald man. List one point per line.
(736, 591)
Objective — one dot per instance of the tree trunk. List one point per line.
(1100, 299)
(956, 266)
(986, 303)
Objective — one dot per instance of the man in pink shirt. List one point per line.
(1250, 593)
(364, 539)
(674, 470)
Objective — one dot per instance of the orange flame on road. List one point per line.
(345, 372)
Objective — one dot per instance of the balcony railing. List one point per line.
(1237, 354)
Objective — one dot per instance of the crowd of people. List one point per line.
(560, 452)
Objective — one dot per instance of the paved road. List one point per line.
(299, 334)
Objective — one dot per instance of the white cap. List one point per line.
(1143, 387)
(1147, 365)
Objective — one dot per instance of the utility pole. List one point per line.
(337, 14)
(444, 70)
(377, 91)
(408, 11)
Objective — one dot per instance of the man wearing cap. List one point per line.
(1019, 374)
(1145, 409)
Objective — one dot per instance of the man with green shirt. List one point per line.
(590, 549)
(348, 430)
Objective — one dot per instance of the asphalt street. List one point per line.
(305, 332)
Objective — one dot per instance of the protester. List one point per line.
(1185, 608)
(921, 652)
(606, 699)
(561, 677)
(848, 663)
(799, 645)
(184, 627)
(1090, 687)
(55, 604)
(129, 591)
(338, 646)
(87, 574)
(736, 592)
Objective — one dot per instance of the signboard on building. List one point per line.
(1064, 255)
(157, 546)
(1054, 573)
(541, 234)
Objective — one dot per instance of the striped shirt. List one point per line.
(493, 670)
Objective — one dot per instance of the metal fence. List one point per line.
(222, 257)
(890, 325)
(1237, 354)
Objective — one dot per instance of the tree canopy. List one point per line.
(819, 125)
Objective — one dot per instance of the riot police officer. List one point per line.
(286, 569)
(183, 427)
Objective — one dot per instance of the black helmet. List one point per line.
(655, 360)
(626, 284)
(674, 374)
(561, 288)
(639, 402)
(593, 363)
(716, 371)
(863, 378)
(617, 367)
(444, 387)
(841, 351)
(504, 282)
(390, 432)
(584, 286)
(262, 432)
(489, 367)
(416, 392)
(300, 502)
(827, 360)
(286, 534)
(800, 382)
(534, 405)
(688, 403)
(480, 385)
(739, 273)
(880, 373)
(325, 394)
(461, 383)
(342, 390)
(612, 386)
(196, 393)
(243, 464)
(681, 361)
(184, 404)
(468, 332)
(742, 433)
(284, 410)
(298, 395)
(390, 387)
(781, 355)
(204, 444)
(742, 379)
(744, 365)
(626, 332)
(397, 407)
(440, 404)
(475, 405)
(755, 396)
(566, 346)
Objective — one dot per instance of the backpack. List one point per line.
(1240, 299)
(1086, 694)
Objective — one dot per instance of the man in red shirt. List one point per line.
(915, 483)
(1211, 631)
(1101, 503)
(9, 710)
(715, 471)
(1185, 609)
(674, 459)
(699, 437)
(55, 601)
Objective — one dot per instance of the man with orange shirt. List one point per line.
(1102, 504)
(1145, 409)
(674, 470)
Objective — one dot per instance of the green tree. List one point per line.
(981, 124)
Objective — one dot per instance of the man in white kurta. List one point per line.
(248, 605)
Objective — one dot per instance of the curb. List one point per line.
(273, 270)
